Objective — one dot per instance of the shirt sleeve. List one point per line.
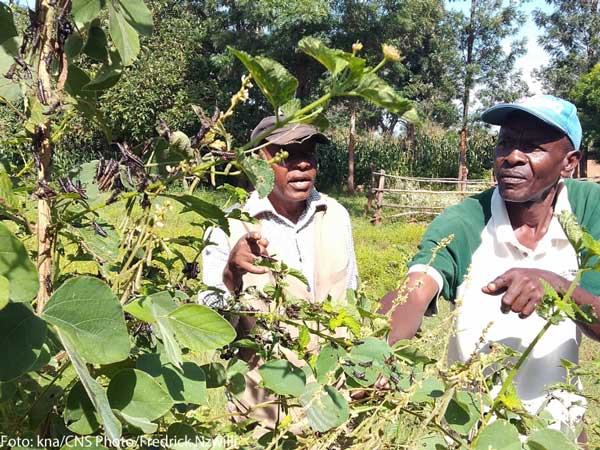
(352, 282)
(214, 260)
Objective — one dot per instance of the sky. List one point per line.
(535, 56)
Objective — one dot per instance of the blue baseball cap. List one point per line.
(554, 111)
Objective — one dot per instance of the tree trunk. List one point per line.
(584, 160)
(46, 10)
(462, 160)
(351, 146)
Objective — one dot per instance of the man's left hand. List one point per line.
(522, 289)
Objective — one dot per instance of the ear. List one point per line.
(570, 162)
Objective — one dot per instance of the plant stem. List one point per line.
(46, 12)
(508, 381)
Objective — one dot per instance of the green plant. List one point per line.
(110, 355)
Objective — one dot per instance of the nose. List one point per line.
(300, 162)
(516, 157)
(304, 164)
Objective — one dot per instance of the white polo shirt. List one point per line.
(489, 246)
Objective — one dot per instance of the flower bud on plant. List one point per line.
(390, 52)
(356, 47)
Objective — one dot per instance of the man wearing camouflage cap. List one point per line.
(305, 229)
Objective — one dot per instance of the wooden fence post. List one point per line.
(379, 198)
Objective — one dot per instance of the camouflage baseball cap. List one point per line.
(292, 133)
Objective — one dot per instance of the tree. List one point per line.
(586, 95)
(487, 67)
(572, 39)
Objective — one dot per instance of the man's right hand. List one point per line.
(242, 258)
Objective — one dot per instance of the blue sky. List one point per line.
(535, 56)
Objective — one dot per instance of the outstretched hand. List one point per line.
(522, 289)
(243, 257)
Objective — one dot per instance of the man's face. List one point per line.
(531, 156)
(295, 176)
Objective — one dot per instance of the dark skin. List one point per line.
(294, 180)
(530, 159)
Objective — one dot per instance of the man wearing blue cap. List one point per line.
(506, 239)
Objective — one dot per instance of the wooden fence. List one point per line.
(420, 197)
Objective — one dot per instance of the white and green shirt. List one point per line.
(484, 247)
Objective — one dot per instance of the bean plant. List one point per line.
(102, 341)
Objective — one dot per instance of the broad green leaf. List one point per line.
(123, 35)
(96, 46)
(548, 439)
(86, 173)
(36, 114)
(80, 415)
(200, 328)
(325, 407)
(16, 266)
(86, 310)
(378, 92)
(463, 412)
(216, 376)
(140, 308)
(105, 249)
(590, 244)
(77, 79)
(42, 360)
(187, 385)
(7, 24)
(411, 116)
(7, 197)
(260, 174)
(138, 422)
(499, 435)
(95, 392)
(161, 305)
(327, 361)
(208, 211)
(290, 108)
(236, 372)
(428, 390)
(10, 90)
(84, 11)
(108, 75)
(283, 378)
(4, 291)
(138, 15)
(432, 442)
(330, 58)
(73, 46)
(275, 82)
(367, 360)
(138, 394)
(22, 335)
(43, 405)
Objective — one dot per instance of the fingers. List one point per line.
(498, 285)
(257, 244)
(246, 251)
(248, 266)
(522, 291)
